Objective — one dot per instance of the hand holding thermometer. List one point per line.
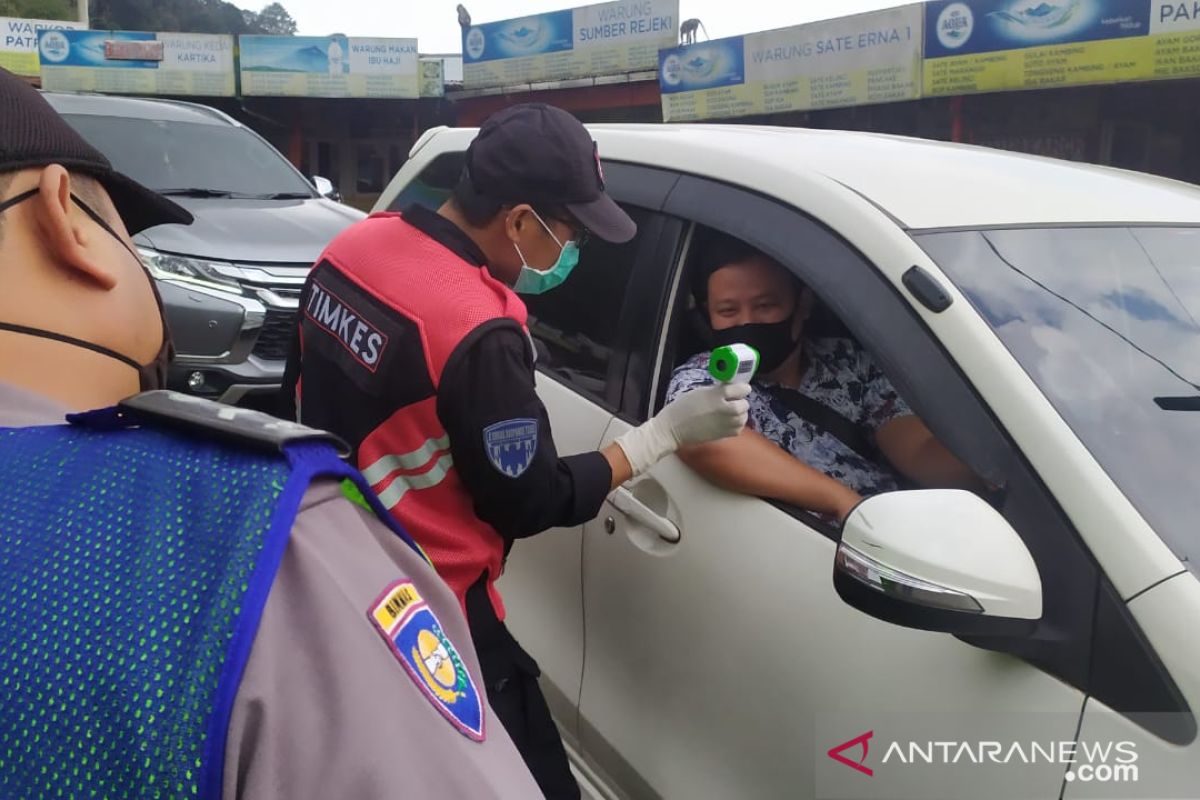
(704, 414)
(733, 363)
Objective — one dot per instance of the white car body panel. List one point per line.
(922, 184)
(668, 633)
(1167, 614)
(667, 647)
(743, 156)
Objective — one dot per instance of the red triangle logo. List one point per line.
(863, 740)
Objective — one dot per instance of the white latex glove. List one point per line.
(701, 415)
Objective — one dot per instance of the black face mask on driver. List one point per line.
(150, 376)
(773, 341)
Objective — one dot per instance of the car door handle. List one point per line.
(640, 513)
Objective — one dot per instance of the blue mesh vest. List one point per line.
(134, 568)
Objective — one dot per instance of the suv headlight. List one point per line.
(167, 267)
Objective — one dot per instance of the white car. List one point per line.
(1041, 317)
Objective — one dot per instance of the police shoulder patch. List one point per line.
(511, 445)
(416, 638)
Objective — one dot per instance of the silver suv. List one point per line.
(231, 281)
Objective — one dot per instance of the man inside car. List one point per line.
(826, 426)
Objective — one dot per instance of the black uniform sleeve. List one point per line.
(488, 405)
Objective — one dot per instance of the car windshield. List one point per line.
(179, 156)
(1105, 321)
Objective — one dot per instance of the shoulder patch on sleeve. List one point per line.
(511, 445)
(416, 639)
(352, 328)
(244, 426)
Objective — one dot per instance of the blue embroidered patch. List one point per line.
(416, 638)
(511, 445)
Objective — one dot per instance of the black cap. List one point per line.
(538, 154)
(32, 134)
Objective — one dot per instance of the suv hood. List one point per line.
(253, 231)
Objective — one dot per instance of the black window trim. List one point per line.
(647, 189)
(616, 377)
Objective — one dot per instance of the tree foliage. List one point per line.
(39, 9)
(275, 19)
(186, 16)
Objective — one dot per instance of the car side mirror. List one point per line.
(938, 560)
(325, 188)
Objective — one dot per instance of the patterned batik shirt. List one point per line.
(840, 375)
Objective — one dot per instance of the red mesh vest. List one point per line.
(407, 459)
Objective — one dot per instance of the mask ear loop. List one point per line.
(39, 333)
(103, 223)
(561, 246)
(59, 337)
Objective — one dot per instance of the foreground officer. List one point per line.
(192, 607)
(413, 347)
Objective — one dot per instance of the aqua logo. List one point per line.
(672, 70)
(54, 47)
(955, 25)
(475, 43)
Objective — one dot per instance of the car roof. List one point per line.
(135, 108)
(920, 183)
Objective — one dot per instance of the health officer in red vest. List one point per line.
(413, 347)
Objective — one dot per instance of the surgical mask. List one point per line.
(151, 376)
(533, 281)
(773, 341)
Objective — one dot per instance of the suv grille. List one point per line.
(275, 338)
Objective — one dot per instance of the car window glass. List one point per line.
(575, 325)
(433, 185)
(1105, 321)
(167, 155)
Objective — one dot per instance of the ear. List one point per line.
(515, 220)
(805, 303)
(69, 235)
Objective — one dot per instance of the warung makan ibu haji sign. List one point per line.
(329, 66)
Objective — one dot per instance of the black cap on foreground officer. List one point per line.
(413, 347)
(185, 615)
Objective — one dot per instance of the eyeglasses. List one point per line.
(579, 234)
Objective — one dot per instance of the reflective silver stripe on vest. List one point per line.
(408, 461)
(395, 493)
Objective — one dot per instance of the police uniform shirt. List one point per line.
(324, 708)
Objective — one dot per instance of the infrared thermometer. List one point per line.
(733, 363)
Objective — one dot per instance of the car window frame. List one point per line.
(1084, 614)
(645, 188)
